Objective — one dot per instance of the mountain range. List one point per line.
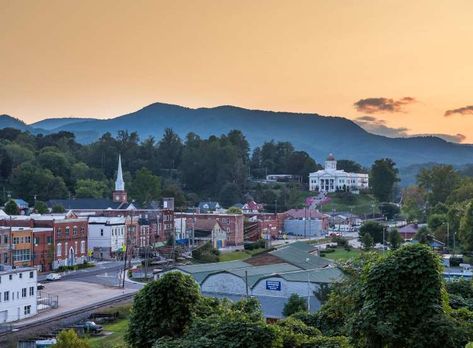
(318, 135)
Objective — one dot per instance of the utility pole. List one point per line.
(246, 283)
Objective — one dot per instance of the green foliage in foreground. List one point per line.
(69, 339)
(295, 304)
(162, 308)
(396, 300)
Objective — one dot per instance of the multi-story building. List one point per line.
(5, 245)
(43, 248)
(232, 224)
(22, 246)
(18, 298)
(107, 236)
(331, 179)
(69, 237)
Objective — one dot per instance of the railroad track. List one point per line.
(19, 328)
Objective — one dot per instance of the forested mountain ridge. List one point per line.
(313, 133)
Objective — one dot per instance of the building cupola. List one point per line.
(330, 162)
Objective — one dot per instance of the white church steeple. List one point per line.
(119, 194)
(119, 183)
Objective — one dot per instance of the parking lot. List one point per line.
(74, 295)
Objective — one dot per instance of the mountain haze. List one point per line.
(316, 134)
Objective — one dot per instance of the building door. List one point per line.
(3, 316)
(71, 257)
(219, 244)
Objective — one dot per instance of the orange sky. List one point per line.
(103, 58)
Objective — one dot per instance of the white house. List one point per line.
(330, 179)
(18, 298)
(107, 236)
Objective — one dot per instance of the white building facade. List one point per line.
(107, 236)
(331, 180)
(18, 297)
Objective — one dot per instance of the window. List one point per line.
(74, 230)
(82, 247)
(28, 239)
(68, 229)
(16, 240)
(5, 239)
(10, 276)
(6, 296)
(31, 290)
(23, 292)
(101, 232)
(36, 240)
(31, 274)
(58, 232)
(49, 239)
(21, 275)
(27, 310)
(59, 249)
(22, 255)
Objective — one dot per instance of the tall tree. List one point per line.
(145, 187)
(11, 208)
(384, 175)
(466, 228)
(162, 308)
(169, 150)
(439, 181)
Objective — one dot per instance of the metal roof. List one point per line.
(300, 258)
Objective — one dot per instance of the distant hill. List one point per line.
(318, 135)
(52, 123)
(7, 121)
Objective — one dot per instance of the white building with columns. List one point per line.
(330, 179)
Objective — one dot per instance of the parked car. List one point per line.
(53, 276)
(40, 286)
(91, 327)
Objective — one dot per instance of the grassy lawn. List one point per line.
(239, 255)
(360, 205)
(116, 338)
(340, 254)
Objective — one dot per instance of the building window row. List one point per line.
(22, 255)
(5, 297)
(21, 240)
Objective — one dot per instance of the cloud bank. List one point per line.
(378, 105)
(466, 110)
(379, 127)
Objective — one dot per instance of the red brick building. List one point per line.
(43, 248)
(69, 238)
(233, 224)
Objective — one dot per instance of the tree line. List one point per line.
(42, 167)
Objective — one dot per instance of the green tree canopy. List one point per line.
(383, 176)
(69, 339)
(439, 181)
(394, 239)
(89, 188)
(40, 207)
(162, 308)
(466, 228)
(11, 208)
(145, 187)
(373, 228)
(295, 304)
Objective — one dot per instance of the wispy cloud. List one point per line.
(379, 105)
(466, 110)
(379, 127)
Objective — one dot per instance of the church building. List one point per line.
(330, 179)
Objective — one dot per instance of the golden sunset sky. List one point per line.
(100, 58)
